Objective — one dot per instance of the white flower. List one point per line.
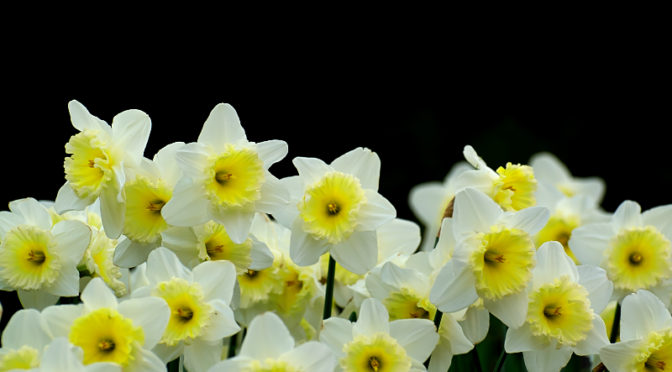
(646, 336)
(100, 154)
(23, 340)
(564, 303)
(60, 355)
(373, 341)
(337, 209)
(268, 346)
(200, 316)
(549, 170)
(39, 260)
(226, 177)
(493, 258)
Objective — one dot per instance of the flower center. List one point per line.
(559, 228)
(144, 200)
(514, 189)
(190, 314)
(90, 165)
(407, 304)
(234, 177)
(378, 352)
(23, 358)
(217, 245)
(656, 353)
(106, 345)
(28, 258)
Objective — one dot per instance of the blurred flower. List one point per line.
(549, 170)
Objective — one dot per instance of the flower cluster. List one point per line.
(200, 259)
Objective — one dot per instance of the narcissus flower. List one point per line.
(564, 303)
(23, 341)
(373, 343)
(226, 177)
(99, 157)
(633, 247)
(646, 336)
(548, 169)
(39, 260)
(493, 258)
(338, 210)
(268, 346)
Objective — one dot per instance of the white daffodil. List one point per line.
(268, 346)
(633, 247)
(61, 355)
(107, 331)
(432, 201)
(99, 156)
(374, 343)
(512, 187)
(564, 303)
(548, 169)
(337, 209)
(148, 188)
(39, 260)
(200, 316)
(226, 177)
(23, 340)
(646, 336)
(493, 258)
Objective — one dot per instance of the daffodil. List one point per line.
(268, 346)
(433, 201)
(493, 258)
(200, 316)
(226, 177)
(60, 355)
(338, 210)
(23, 341)
(646, 336)
(99, 157)
(39, 260)
(374, 343)
(109, 331)
(513, 187)
(562, 317)
(548, 169)
(633, 247)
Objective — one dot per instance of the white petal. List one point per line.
(372, 318)
(97, 295)
(552, 263)
(217, 279)
(237, 364)
(358, 253)
(168, 353)
(595, 340)
(310, 169)
(163, 265)
(511, 309)
(376, 211)
(476, 324)
(303, 248)
(67, 200)
(130, 130)
(129, 254)
(622, 356)
(417, 336)
(593, 187)
(588, 242)
(441, 357)
(261, 256)
(60, 355)
(521, 339)
(72, 238)
(222, 322)
(59, 318)
(237, 222)
(36, 299)
(222, 127)
(82, 120)
(8, 221)
(628, 214)
(32, 211)
(150, 313)
(166, 161)
(473, 211)
(192, 158)
(271, 152)
(399, 277)
(453, 334)
(397, 237)
(335, 333)
(112, 212)
(530, 219)
(274, 196)
(642, 313)
(454, 287)
(599, 287)
(426, 201)
(267, 337)
(188, 206)
(67, 283)
(548, 168)
(145, 361)
(661, 218)
(102, 367)
(472, 157)
(546, 360)
(201, 355)
(311, 356)
(361, 163)
(25, 327)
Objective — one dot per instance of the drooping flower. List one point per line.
(226, 177)
(99, 157)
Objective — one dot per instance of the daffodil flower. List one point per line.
(23, 340)
(562, 317)
(60, 355)
(645, 336)
(373, 342)
(39, 260)
(548, 169)
(99, 157)
(493, 258)
(633, 247)
(109, 331)
(268, 346)
(200, 316)
(226, 177)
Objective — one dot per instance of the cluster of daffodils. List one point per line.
(200, 259)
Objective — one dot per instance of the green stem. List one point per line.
(233, 341)
(477, 360)
(500, 361)
(174, 366)
(329, 295)
(616, 325)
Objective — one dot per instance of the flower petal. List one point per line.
(96, 295)
(201, 355)
(553, 263)
(417, 336)
(376, 211)
(261, 256)
(530, 219)
(397, 237)
(473, 211)
(59, 318)
(188, 205)
(595, 339)
(642, 313)
(221, 127)
(358, 253)
(36, 299)
(267, 337)
(628, 214)
(548, 359)
(236, 221)
(372, 318)
(32, 211)
(163, 265)
(454, 288)
(129, 254)
(311, 356)
(310, 169)
(335, 333)
(82, 120)
(112, 212)
(303, 248)
(274, 195)
(361, 163)
(599, 287)
(217, 279)
(510, 309)
(222, 322)
(622, 356)
(661, 218)
(150, 313)
(271, 152)
(67, 200)
(72, 238)
(67, 283)
(426, 200)
(588, 242)
(130, 130)
(25, 327)
(476, 324)
(192, 158)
